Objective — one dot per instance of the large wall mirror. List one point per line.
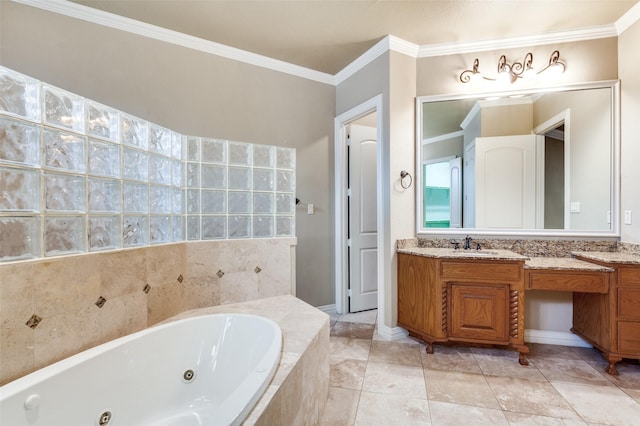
(541, 162)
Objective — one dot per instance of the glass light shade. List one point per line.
(504, 78)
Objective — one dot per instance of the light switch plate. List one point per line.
(627, 217)
(575, 207)
(310, 209)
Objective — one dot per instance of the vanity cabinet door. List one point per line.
(479, 312)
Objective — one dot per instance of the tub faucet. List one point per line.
(467, 242)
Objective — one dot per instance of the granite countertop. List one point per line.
(609, 257)
(450, 253)
(564, 264)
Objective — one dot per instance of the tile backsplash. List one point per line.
(53, 308)
(77, 176)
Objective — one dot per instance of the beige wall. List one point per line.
(630, 132)
(197, 94)
(393, 76)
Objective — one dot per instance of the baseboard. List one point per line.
(392, 333)
(554, 338)
(328, 309)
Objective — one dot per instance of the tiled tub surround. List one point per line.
(59, 297)
(299, 389)
(78, 176)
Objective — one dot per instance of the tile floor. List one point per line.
(376, 382)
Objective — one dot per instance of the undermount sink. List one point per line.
(474, 253)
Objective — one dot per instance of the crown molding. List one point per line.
(591, 33)
(133, 26)
(78, 11)
(363, 60)
(628, 19)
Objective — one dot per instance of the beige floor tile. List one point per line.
(347, 373)
(537, 350)
(459, 388)
(570, 370)
(451, 358)
(365, 317)
(405, 340)
(352, 329)
(633, 393)
(447, 414)
(520, 419)
(341, 407)
(628, 375)
(394, 379)
(530, 397)
(379, 409)
(395, 353)
(505, 364)
(601, 404)
(347, 348)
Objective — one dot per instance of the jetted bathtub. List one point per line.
(206, 370)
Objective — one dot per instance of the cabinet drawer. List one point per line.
(629, 337)
(629, 276)
(493, 271)
(629, 303)
(595, 282)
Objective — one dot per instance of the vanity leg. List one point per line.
(429, 348)
(613, 360)
(522, 358)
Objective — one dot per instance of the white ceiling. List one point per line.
(327, 35)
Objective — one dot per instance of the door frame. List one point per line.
(563, 117)
(373, 105)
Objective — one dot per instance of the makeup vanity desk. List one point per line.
(606, 298)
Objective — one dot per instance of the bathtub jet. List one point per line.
(205, 370)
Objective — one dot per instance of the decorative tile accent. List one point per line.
(33, 321)
(100, 302)
(180, 278)
(220, 274)
(147, 288)
(257, 270)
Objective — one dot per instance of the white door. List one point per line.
(469, 187)
(455, 202)
(363, 230)
(506, 182)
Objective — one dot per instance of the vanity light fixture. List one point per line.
(509, 73)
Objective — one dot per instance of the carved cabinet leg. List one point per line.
(522, 359)
(429, 348)
(611, 368)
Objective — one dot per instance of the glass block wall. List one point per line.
(78, 176)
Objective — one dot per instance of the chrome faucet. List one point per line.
(467, 242)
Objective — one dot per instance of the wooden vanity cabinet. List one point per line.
(452, 300)
(611, 321)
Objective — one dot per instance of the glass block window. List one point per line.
(78, 176)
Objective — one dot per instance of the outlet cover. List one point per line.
(627, 217)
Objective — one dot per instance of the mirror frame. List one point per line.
(613, 233)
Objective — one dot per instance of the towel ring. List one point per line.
(404, 174)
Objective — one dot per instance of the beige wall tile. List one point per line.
(66, 285)
(60, 336)
(165, 264)
(123, 272)
(165, 301)
(123, 315)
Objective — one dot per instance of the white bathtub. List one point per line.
(144, 379)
